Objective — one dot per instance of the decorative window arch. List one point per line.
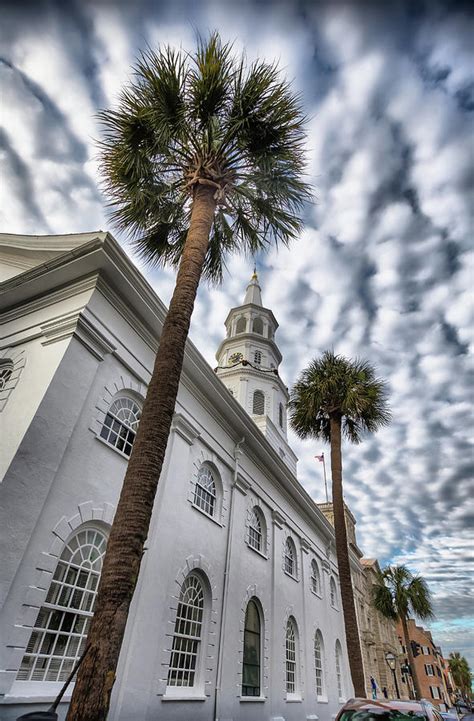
(257, 325)
(315, 578)
(252, 657)
(257, 357)
(241, 325)
(60, 631)
(257, 530)
(121, 423)
(339, 676)
(258, 405)
(289, 560)
(184, 665)
(205, 490)
(291, 657)
(333, 592)
(6, 370)
(319, 664)
(280, 415)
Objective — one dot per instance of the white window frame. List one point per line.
(339, 672)
(436, 695)
(256, 531)
(315, 578)
(257, 357)
(257, 605)
(206, 498)
(429, 670)
(291, 661)
(71, 568)
(261, 398)
(193, 622)
(333, 599)
(290, 560)
(116, 424)
(319, 670)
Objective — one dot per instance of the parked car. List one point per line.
(450, 715)
(364, 709)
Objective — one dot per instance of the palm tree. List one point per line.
(203, 156)
(397, 594)
(461, 673)
(335, 396)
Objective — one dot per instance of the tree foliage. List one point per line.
(398, 593)
(461, 672)
(334, 384)
(207, 118)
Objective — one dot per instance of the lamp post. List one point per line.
(391, 660)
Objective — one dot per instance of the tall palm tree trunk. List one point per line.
(91, 696)
(342, 551)
(411, 658)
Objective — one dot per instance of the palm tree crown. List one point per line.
(334, 384)
(399, 593)
(461, 672)
(207, 119)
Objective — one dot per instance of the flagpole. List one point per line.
(325, 479)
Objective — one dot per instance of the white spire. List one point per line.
(253, 293)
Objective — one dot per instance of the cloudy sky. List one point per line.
(383, 269)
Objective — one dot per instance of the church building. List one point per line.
(237, 611)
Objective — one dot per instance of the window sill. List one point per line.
(252, 699)
(294, 698)
(290, 575)
(183, 697)
(315, 593)
(259, 553)
(322, 699)
(207, 515)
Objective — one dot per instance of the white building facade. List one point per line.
(237, 610)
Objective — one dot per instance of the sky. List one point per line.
(384, 267)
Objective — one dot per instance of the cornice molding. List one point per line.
(278, 519)
(305, 546)
(184, 428)
(241, 484)
(76, 324)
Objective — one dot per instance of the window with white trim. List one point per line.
(258, 406)
(339, 679)
(429, 669)
(315, 578)
(121, 424)
(205, 494)
(319, 663)
(255, 537)
(280, 415)
(290, 557)
(60, 631)
(257, 357)
(183, 668)
(251, 668)
(257, 326)
(435, 692)
(6, 370)
(333, 592)
(291, 657)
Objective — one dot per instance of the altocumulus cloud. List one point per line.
(384, 268)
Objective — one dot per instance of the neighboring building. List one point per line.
(428, 665)
(378, 635)
(237, 611)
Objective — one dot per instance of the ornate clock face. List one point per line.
(235, 358)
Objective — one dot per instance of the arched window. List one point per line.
(340, 683)
(121, 423)
(251, 673)
(257, 325)
(319, 663)
(291, 655)
(280, 415)
(256, 536)
(258, 408)
(183, 668)
(6, 370)
(290, 557)
(315, 578)
(333, 592)
(257, 357)
(205, 491)
(241, 325)
(60, 631)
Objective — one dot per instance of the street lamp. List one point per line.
(391, 659)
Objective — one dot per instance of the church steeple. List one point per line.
(248, 361)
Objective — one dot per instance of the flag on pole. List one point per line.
(320, 458)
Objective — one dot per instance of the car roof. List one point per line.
(399, 705)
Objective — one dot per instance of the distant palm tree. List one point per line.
(461, 673)
(397, 594)
(335, 396)
(202, 157)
